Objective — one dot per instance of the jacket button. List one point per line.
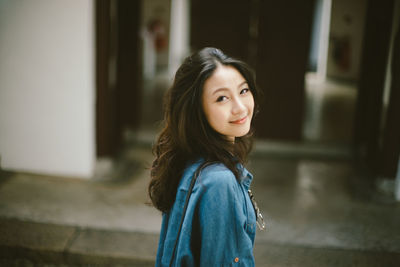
(236, 259)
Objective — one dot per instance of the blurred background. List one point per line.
(81, 93)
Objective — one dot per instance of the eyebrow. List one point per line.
(226, 89)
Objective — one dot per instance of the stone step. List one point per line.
(289, 255)
(24, 243)
(47, 244)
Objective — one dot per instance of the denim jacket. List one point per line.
(220, 223)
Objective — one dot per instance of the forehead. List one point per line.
(227, 77)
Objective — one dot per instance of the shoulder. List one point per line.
(213, 177)
(216, 176)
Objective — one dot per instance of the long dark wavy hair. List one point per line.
(187, 135)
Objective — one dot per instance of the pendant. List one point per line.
(259, 217)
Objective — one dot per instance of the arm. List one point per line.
(221, 225)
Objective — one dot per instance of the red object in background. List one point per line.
(157, 29)
(341, 52)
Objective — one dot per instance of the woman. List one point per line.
(206, 139)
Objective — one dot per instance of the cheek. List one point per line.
(216, 116)
(250, 104)
(209, 113)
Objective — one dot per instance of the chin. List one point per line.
(242, 133)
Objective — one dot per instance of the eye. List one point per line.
(221, 98)
(244, 91)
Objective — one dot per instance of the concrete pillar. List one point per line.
(323, 41)
(179, 34)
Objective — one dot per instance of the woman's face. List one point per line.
(228, 102)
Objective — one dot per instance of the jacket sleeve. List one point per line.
(223, 238)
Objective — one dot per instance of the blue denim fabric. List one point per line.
(220, 222)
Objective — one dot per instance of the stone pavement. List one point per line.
(321, 211)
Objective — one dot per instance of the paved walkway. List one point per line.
(320, 212)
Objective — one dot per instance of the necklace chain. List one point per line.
(259, 217)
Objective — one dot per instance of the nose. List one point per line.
(238, 106)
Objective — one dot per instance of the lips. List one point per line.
(240, 121)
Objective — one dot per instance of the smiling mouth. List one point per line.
(240, 121)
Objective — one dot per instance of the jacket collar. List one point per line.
(246, 177)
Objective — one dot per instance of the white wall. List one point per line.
(47, 86)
